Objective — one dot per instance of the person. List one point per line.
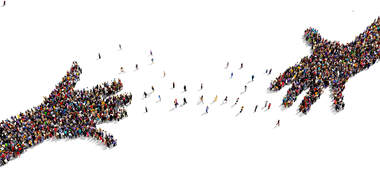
(201, 99)
(164, 74)
(175, 103)
(201, 86)
(269, 105)
(252, 77)
(184, 88)
(99, 56)
(151, 53)
(145, 95)
(121, 69)
(119, 46)
(277, 124)
(232, 74)
(206, 109)
(266, 103)
(256, 108)
(241, 66)
(4, 2)
(216, 98)
(152, 60)
(184, 101)
(137, 66)
(225, 99)
(228, 63)
(270, 71)
(173, 85)
(152, 88)
(266, 71)
(245, 88)
(237, 100)
(241, 109)
(146, 109)
(159, 98)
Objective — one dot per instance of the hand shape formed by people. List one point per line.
(66, 113)
(330, 64)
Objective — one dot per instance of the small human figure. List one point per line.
(245, 88)
(232, 74)
(252, 77)
(225, 99)
(215, 98)
(184, 101)
(255, 108)
(228, 63)
(206, 109)
(184, 88)
(119, 46)
(237, 100)
(4, 3)
(146, 109)
(121, 69)
(266, 71)
(201, 86)
(241, 65)
(201, 99)
(152, 60)
(145, 94)
(159, 98)
(164, 74)
(173, 85)
(277, 124)
(152, 88)
(137, 66)
(266, 103)
(270, 71)
(151, 53)
(175, 103)
(269, 105)
(99, 56)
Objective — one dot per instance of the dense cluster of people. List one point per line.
(331, 64)
(66, 113)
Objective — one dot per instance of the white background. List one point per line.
(191, 41)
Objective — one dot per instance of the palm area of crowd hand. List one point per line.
(331, 64)
(66, 113)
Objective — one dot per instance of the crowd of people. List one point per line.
(331, 64)
(66, 113)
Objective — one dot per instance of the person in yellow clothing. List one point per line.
(216, 98)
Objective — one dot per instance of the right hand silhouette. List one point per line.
(330, 64)
(66, 113)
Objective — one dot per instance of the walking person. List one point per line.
(145, 94)
(206, 109)
(184, 88)
(159, 98)
(237, 100)
(121, 69)
(241, 66)
(4, 3)
(184, 101)
(119, 46)
(173, 85)
(252, 77)
(266, 103)
(255, 108)
(232, 74)
(152, 59)
(151, 53)
(241, 109)
(277, 124)
(201, 99)
(146, 109)
(164, 74)
(201, 86)
(245, 88)
(175, 103)
(152, 88)
(99, 56)
(270, 71)
(225, 99)
(216, 98)
(269, 105)
(137, 66)
(228, 63)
